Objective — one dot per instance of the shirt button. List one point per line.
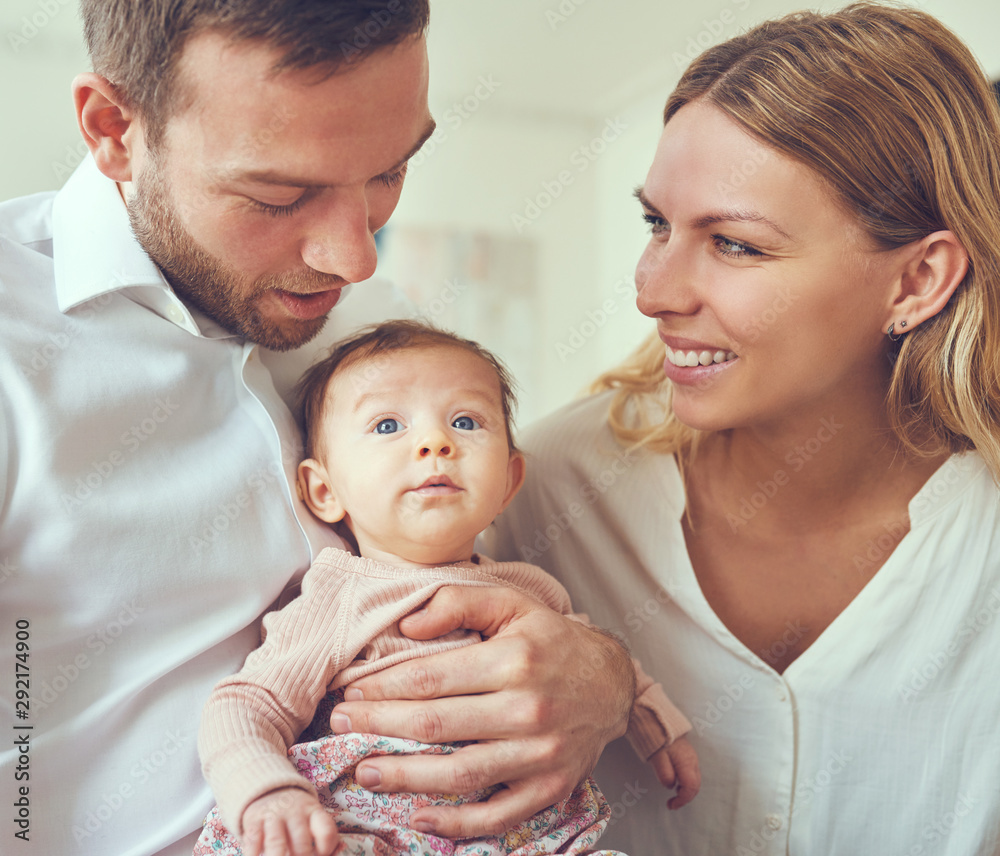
(773, 822)
(782, 695)
(175, 314)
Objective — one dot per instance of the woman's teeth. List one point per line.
(691, 359)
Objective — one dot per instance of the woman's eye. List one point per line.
(465, 423)
(387, 426)
(734, 249)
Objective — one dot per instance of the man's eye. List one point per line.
(387, 426)
(465, 423)
(392, 179)
(278, 210)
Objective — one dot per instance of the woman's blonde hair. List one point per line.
(892, 110)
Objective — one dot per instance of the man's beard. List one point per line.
(205, 282)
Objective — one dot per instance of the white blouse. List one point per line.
(881, 739)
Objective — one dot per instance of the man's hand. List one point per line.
(676, 766)
(288, 822)
(542, 694)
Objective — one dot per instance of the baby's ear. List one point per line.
(515, 477)
(316, 492)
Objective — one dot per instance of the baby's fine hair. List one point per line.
(366, 345)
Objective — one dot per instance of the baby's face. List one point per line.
(416, 453)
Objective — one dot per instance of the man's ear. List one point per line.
(108, 125)
(515, 477)
(935, 266)
(316, 492)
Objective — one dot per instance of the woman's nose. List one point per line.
(664, 281)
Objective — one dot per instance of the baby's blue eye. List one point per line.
(465, 423)
(387, 426)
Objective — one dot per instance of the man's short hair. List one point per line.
(366, 345)
(136, 44)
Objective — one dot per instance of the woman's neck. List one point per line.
(815, 471)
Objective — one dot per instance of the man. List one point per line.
(244, 153)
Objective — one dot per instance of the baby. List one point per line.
(409, 437)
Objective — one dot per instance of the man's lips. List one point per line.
(308, 306)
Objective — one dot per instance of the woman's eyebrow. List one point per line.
(724, 215)
(739, 215)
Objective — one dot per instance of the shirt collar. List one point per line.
(93, 248)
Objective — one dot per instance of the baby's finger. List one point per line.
(253, 839)
(298, 834)
(324, 832)
(685, 761)
(275, 837)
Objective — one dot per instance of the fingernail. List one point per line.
(368, 777)
(423, 826)
(353, 695)
(340, 723)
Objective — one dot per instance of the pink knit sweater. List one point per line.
(344, 626)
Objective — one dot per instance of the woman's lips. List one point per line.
(309, 306)
(696, 367)
(698, 357)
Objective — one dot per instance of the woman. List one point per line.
(791, 518)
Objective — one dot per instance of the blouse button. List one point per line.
(773, 822)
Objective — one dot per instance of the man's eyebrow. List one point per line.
(724, 215)
(424, 137)
(284, 179)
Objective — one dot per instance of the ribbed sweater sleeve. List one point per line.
(252, 718)
(654, 721)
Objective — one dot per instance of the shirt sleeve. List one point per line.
(252, 717)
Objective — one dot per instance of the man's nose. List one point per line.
(339, 238)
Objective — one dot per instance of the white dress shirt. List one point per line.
(148, 517)
(881, 739)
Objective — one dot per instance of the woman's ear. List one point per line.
(934, 268)
(515, 477)
(108, 125)
(317, 493)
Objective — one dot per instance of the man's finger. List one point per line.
(488, 717)
(486, 609)
(469, 770)
(469, 670)
(494, 816)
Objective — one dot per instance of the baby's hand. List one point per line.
(288, 822)
(676, 765)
